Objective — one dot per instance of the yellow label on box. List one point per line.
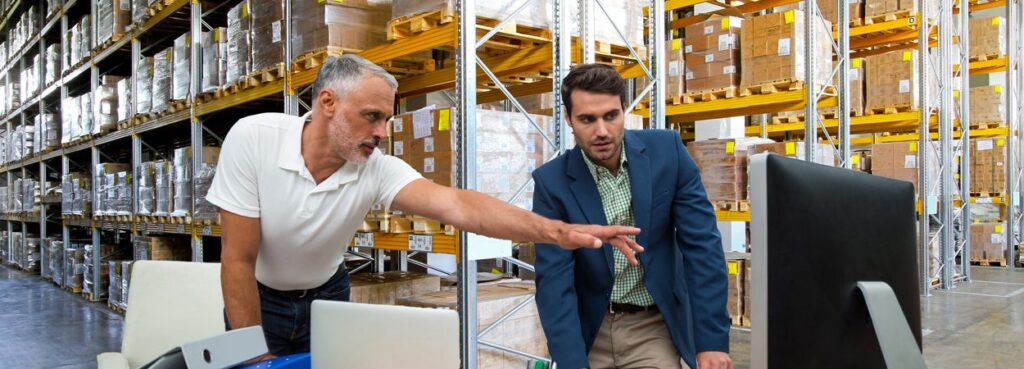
(956, 94)
(725, 23)
(855, 160)
(995, 21)
(790, 148)
(976, 221)
(1000, 142)
(216, 37)
(789, 17)
(675, 44)
(730, 147)
(913, 147)
(998, 89)
(734, 268)
(999, 228)
(908, 56)
(855, 63)
(443, 117)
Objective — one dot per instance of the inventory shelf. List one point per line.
(914, 137)
(740, 106)
(877, 123)
(732, 216)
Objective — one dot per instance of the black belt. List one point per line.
(617, 308)
(298, 294)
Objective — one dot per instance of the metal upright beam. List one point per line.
(195, 124)
(843, 109)
(465, 89)
(1013, 157)
(291, 98)
(562, 58)
(923, 239)
(95, 154)
(946, 112)
(811, 104)
(964, 217)
(657, 46)
(586, 26)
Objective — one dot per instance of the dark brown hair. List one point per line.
(596, 78)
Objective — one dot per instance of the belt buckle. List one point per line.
(611, 308)
(303, 294)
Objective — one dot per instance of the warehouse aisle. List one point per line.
(44, 327)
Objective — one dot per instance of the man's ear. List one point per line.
(327, 101)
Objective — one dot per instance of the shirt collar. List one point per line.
(599, 171)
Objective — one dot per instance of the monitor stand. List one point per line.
(899, 348)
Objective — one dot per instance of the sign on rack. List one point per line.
(421, 242)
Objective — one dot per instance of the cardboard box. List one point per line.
(112, 19)
(830, 10)
(988, 37)
(892, 80)
(267, 33)
(773, 49)
(215, 59)
(988, 105)
(712, 49)
(181, 71)
(723, 166)
(988, 241)
(824, 153)
(162, 248)
(239, 58)
(386, 288)
(899, 160)
(163, 68)
(522, 331)
(675, 75)
(988, 169)
(318, 24)
(144, 86)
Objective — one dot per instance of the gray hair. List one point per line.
(341, 74)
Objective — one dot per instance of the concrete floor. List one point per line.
(977, 325)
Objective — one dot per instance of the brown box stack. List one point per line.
(856, 74)
(898, 160)
(239, 58)
(267, 33)
(113, 17)
(892, 80)
(988, 37)
(713, 53)
(723, 166)
(988, 242)
(738, 288)
(830, 10)
(675, 81)
(355, 25)
(425, 140)
(386, 288)
(988, 171)
(988, 105)
(522, 331)
(882, 7)
(824, 153)
(162, 248)
(773, 49)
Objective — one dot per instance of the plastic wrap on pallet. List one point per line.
(215, 52)
(68, 113)
(52, 6)
(182, 181)
(162, 73)
(139, 10)
(17, 195)
(114, 16)
(202, 179)
(86, 37)
(181, 75)
(164, 190)
(317, 24)
(108, 194)
(892, 80)
(74, 266)
(83, 197)
(239, 62)
(126, 273)
(147, 185)
(874, 8)
(267, 33)
(988, 37)
(52, 65)
(144, 86)
(988, 105)
(4, 203)
(773, 49)
(162, 248)
(29, 142)
(123, 205)
(105, 108)
(55, 258)
(88, 120)
(114, 282)
(124, 99)
(988, 165)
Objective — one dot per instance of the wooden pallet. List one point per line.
(115, 308)
(725, 205)
(174, 106)
(142, 118)
(410, 25)
(981, 58)
(314, 59)
(125, 124)
(888, 110)
(780, 86)
(789, 118)
(77, 141)
(206, 97)
(988, 125)
(853, 23)
(115, 38)
(702, 96)
(986, 262)
(157, 7)
(887, 17)
(263, 76)
(986, 194)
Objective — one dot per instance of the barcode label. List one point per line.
(363, 239)
(428, 144)
(784, 46)
(418, 242)
(276, 32)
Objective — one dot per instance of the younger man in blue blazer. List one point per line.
(597, 310)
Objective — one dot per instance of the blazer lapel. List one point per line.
(640, 186)
(584, 189)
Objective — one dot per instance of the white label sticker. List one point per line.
(688, 49)
(531, 146)
(422, 120)
(363, 239)
(709, 30)
(996, 238)
(729, 69)
(126, 5)
(984, 145)
(673, 68)
(421, 242)
(910, 161)
(726, 42)
(854, 74)
(399, 148)
(709, 58)
(904, 86)
(428, 165)
(398, 125)
(689, 76)
(276, 32)
(983, 200)
(428, 144)
(784, 46)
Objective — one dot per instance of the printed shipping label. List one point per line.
(784, 46)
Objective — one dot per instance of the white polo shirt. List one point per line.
(304, 227)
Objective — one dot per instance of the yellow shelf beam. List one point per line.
(441, 243)
(862, 124)
(732, 216)
(245, 96)
(520, 62)
(163, 14)
(740, 106)
(912, 137)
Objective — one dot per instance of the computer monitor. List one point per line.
(833, 268)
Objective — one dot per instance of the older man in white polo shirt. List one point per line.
(293, 190)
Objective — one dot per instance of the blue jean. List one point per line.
(286, 319)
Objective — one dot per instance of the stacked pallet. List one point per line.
(988, 244)
(723, 168)
(988, 170)
(773, 56)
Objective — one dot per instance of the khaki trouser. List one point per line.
(634, 341)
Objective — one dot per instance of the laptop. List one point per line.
(352, 335)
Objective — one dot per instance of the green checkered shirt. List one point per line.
(617, 202)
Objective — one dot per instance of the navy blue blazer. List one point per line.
(684, 265)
